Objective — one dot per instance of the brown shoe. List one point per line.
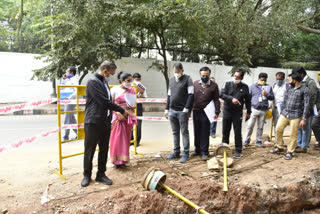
(316, 146)
(301, 150)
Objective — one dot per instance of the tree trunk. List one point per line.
(82, 76)
(165, 61)
(142, 43)
(165, 70)
(308, 29)
(54, 91)
(19, 36)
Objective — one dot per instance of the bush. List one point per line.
(306, 65)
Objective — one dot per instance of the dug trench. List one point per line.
(258, 183)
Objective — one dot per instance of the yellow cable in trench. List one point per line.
(184, 199)
(225, 179)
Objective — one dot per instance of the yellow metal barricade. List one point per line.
(81, 92)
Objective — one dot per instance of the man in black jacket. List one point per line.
(97, 122)
(235, 94)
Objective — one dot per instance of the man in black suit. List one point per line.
(97, 122)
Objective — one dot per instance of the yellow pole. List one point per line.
(135, 126)
(271, 129)
(77, 112)
(59, 133)
(185, 199)
(225, 179)
(135, 130)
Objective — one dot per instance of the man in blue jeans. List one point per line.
(178, 107)
(304, 134)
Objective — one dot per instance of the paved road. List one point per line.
(155, 134)
(15, 128)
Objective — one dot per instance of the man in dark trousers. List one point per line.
(213, 125)
(235, 94)
(304, 134)
(205, 91)
(97, 122)
(316, 119)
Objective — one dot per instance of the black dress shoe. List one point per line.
(103, 179)
(85, 181)
(193, 154)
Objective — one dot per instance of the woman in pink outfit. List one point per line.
(121, 126)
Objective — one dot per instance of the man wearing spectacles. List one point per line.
(205, 91)
(235, 94)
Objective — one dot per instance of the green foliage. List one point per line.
(244, 67)
(306, 65)
(169, 23)
(84, 32)
(83, 35)
(302, 47)
(157, 65)
(22, 38)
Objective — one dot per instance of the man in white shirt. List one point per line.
(279, 89)
(69, 93)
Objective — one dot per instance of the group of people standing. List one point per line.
(295, 103)
(299, 109)
(109, 116)
(185, 96)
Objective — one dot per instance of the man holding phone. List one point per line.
(261, 93)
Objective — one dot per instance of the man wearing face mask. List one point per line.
(279, 89)
(71, 93)
(142, 93)
(316, 119)
(260, 93)
(294, 111)
(235, 94)
(178, 107)
(97, 122)
(205, 91)
(304, 134)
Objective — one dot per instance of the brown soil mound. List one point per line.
(258, 183)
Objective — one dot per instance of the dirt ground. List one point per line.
(258, 183)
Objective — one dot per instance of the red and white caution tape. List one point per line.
(81, 101)
(139, 100)
(18, 107)
(30, 105)
(165, 119)
(8, 147)
(151, 100)
(156, 100)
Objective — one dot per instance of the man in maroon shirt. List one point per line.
(205, 91)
